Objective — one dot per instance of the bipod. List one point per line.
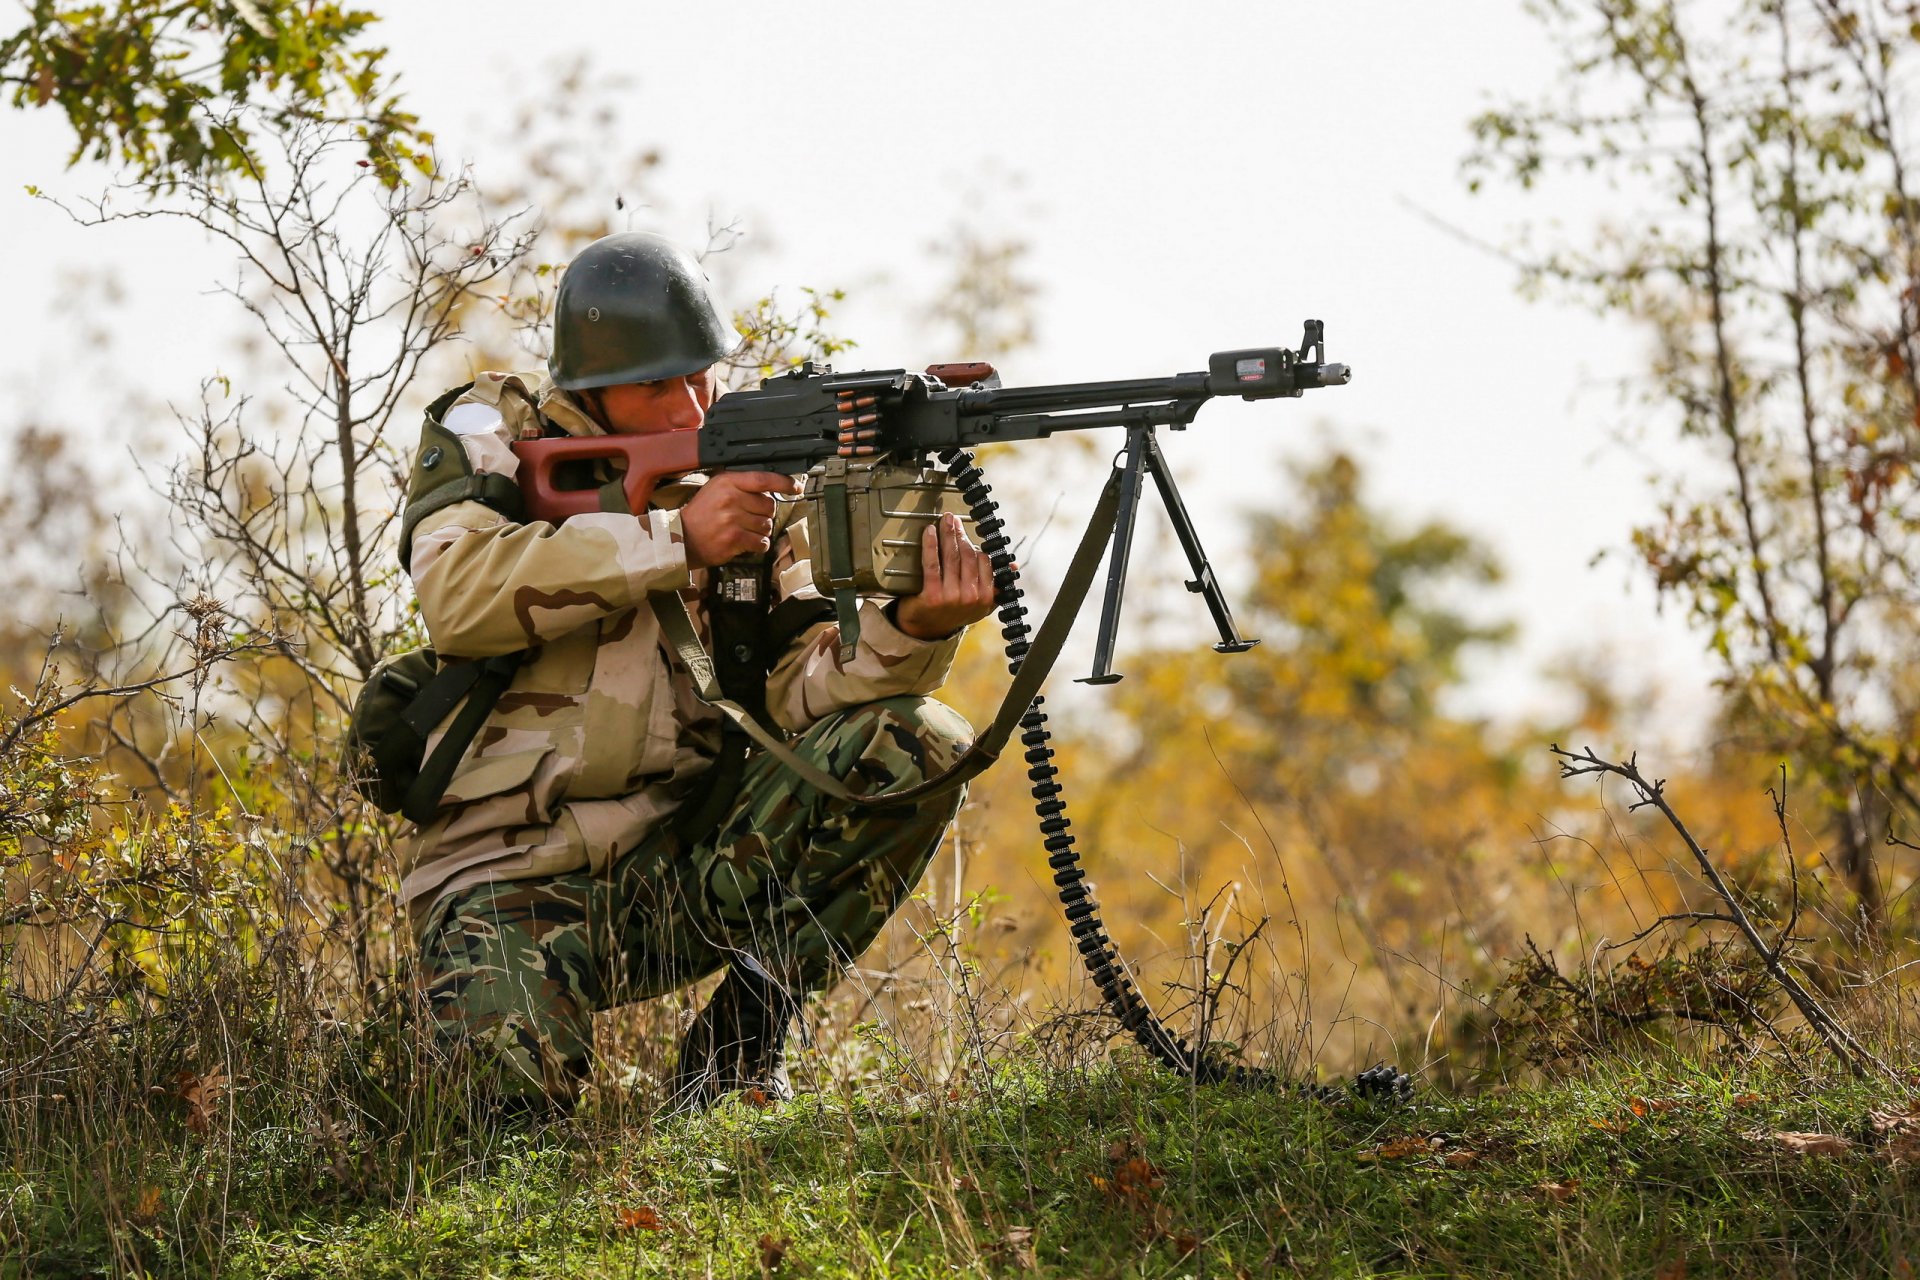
(1143, 458)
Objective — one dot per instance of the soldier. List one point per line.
(588, 850)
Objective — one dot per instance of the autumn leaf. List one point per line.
(642, 1218)
(146, 1208)
(1746, 1100)
(1397, 1149)
(1813, 1144)
(1185, 1244)
(1135, 1180)
(1645, 1106)
(1560, 1192)
(202, 1094)
(1462, 1159)
(1900, 1130)
(773, 1252)
(757, 1098)
(1672, 1269)
(1885, 1122)
(1609, 1125)
(1016, 1246)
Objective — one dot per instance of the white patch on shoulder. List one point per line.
(471, 419)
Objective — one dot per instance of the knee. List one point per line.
(909, 737)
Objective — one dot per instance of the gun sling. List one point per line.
(677, 627)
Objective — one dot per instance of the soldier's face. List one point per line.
(671, 404)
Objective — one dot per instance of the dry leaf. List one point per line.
(1560, 1192)
(1186, 1244)
(643, 1218)
(1642, 1106)
(1017, 1247)
(965, 1182)
(146, 1209)
(1675, 1269)
(1813, 1144)
(1902, 1148)
(202, 1094)
(757, 1097)
(1461, 1159)
(1397, 1149)
(1609, 1126)
(1746, 1099)
(1137, 1180)
(773, 1252)
(1907, 1121)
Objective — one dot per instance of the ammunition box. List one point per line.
(886, 510)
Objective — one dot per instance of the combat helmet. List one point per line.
(634, 307)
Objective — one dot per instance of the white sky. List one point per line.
(1192, 178)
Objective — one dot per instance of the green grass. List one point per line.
(1119, 1171)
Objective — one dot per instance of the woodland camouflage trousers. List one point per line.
(798, 881)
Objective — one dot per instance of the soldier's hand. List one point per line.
(732, 515)
(956, 584)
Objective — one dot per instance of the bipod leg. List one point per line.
(1203, 581)
(1139, 445)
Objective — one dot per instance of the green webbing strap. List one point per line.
(481, 682)
(834, 511)
(1034, 668)
(489, 490)
(677, 627)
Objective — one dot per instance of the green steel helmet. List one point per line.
(634, 307)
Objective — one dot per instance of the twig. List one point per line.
(1652, 792)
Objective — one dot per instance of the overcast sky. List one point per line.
(1191, 178)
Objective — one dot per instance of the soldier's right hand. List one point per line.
(732, 515)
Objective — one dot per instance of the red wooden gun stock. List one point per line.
(649, 459)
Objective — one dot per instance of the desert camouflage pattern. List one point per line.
(600, 736)
(795, 880)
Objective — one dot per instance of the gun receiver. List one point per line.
(810, 414)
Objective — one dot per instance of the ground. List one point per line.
(1659, 1167)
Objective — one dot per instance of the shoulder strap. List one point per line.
(481, 683)
(1033, 672)
(442, 476)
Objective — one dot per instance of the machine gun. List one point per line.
(843, 429)
(838, 426)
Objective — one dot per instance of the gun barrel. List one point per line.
(1306, 376)
(1083, 395)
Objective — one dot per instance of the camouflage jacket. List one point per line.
(600, 736)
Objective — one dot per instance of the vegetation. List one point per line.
(1769, 245)
(1663, 1024)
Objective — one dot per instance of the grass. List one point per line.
(1654, 1167)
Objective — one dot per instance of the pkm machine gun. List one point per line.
(829, 425)
(843, 429)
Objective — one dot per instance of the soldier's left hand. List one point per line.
(956, 584)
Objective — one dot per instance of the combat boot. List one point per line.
(736, 1045)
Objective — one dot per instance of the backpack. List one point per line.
(403, 701)
(409, 694)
